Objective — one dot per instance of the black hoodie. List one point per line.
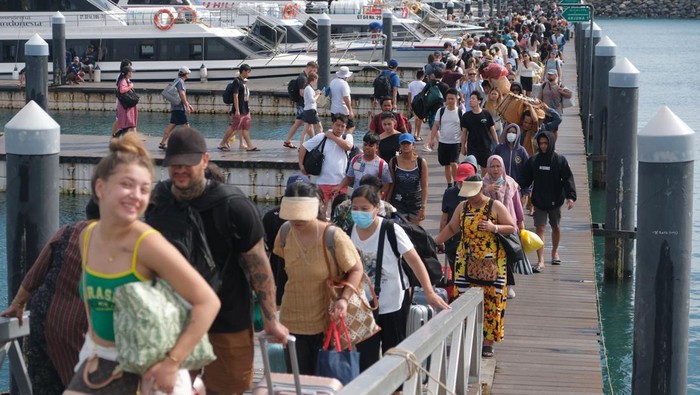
(550, 175)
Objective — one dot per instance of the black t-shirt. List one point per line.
(272, 224)
(235, 293)
(301, 83)
(478, 127)
(240, 88)
(389, 146)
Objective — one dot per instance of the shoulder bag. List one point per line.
(567, 102)
(515, 257)
(171, 94)
(360, 315)
(313, 160)
(149, 317)
(128, 99)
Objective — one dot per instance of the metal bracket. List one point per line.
(10, 332)
(599, 230)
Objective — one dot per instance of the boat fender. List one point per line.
(157, 20)
(203, 74)
(415, 7)
(404, 12)
(182, 14)
(289, 11)
(15, 73)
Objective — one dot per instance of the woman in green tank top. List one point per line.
(120, 248)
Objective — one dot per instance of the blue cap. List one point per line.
(375, 25)
(510, 44)
(406, 138)
(298, 178)
(393, 63)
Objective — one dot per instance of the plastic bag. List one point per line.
(530, 241)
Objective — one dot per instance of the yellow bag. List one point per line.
(530, 241)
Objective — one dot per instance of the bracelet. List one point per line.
(495, 229)
(170, 357)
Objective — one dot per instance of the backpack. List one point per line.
(422, 242)
(466, 55)
(382, 84)
(293, 90)
(357, 157)
(171, 94)
(228, 93)
(418, 105)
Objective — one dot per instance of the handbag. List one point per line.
(338, 364)
(359, 318)
(100, 376)
(485, 269)
(567, 102)
(313, 160)
(128, 99)
(171, 94)
(148, 319)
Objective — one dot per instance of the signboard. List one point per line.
(577, 14)
(565, 2)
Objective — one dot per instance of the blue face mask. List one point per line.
(363, 219)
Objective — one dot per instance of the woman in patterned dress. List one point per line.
(481, 261)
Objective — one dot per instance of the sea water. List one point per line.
(668, 77)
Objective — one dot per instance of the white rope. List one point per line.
(414, 367)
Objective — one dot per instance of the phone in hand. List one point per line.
(500, 182)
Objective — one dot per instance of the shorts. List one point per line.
(540, 217)
(240, 122)
(350, 124)
(326, 191)
(448, 153)
(299, 112)
(481, 157)
(178, 117)
(526, 83)
(232, 371)
(311, 117)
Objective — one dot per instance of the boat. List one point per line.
(158, 40)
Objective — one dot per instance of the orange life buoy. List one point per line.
(404, 12)
(181, 14)
(157, 19)
(289, 11)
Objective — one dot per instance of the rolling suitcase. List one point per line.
(290, 384)
(418, 315)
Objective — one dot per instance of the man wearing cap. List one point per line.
(341, 102)
(552, 186)
(74, 72)
(311, 67)
(450, 200)
(240, 112)
(90, 60)
(553, 92)
(234, 235)
(178, 112)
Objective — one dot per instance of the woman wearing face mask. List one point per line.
(394, 301)
(514, 157)
(481, 262)
(500, 186)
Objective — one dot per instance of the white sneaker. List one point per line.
(511, 293)
(427, 149)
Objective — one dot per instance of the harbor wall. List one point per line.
(685, 9)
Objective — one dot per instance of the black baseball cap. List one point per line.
(186, 146)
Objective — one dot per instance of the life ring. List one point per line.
(415, 7)
(289, 11)
(404, 12)
(157, 19)
(181, 14)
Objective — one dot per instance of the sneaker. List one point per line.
(427, 149)
(511, 293)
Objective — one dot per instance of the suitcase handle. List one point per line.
(292, 345)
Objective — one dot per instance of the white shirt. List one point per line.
(339, 90)
(309, 98)
(416, 87)
(335, 159)
(392, 292)
(450, 128)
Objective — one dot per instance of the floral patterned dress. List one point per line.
(482, 246)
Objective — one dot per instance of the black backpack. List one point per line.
(418, 105)
(382, 84)
(228, 94)
(293, 90)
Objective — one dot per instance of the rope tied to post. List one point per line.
(414, 367)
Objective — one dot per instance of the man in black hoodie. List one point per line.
(552, 184)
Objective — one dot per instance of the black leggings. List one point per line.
(307, 353)
(393, 332)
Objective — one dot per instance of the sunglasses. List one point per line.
(470, 74)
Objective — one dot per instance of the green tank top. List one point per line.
(100, 288)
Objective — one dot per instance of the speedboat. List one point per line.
(158, 40)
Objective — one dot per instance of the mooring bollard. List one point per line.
(621, 169)
(587, 77)
(36, 51)
(387, 29)
(58, 41)
(578, 43)
(32, 141)
(480, 8)
(604, 60)
(664, 244)
(324, 50)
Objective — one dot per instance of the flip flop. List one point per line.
(556, 261)
(487, 351)
(223, 148)
(538, 269)
(253, 149)
(289, 145)
(162, 146)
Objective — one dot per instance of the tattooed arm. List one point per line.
(257, 266)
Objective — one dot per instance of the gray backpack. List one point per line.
(171, 94)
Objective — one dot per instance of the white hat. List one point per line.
(299, 208)
(184, 70)
(471, 186)
(477, 54)
(344, 72)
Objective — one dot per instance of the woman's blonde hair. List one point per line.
(492, 106)
(124, 151)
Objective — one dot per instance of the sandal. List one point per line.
(254, 149)
(162, 146)
(556, 261)
(224, 148)
(288, 144)
(538, 269)
(487, 351)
